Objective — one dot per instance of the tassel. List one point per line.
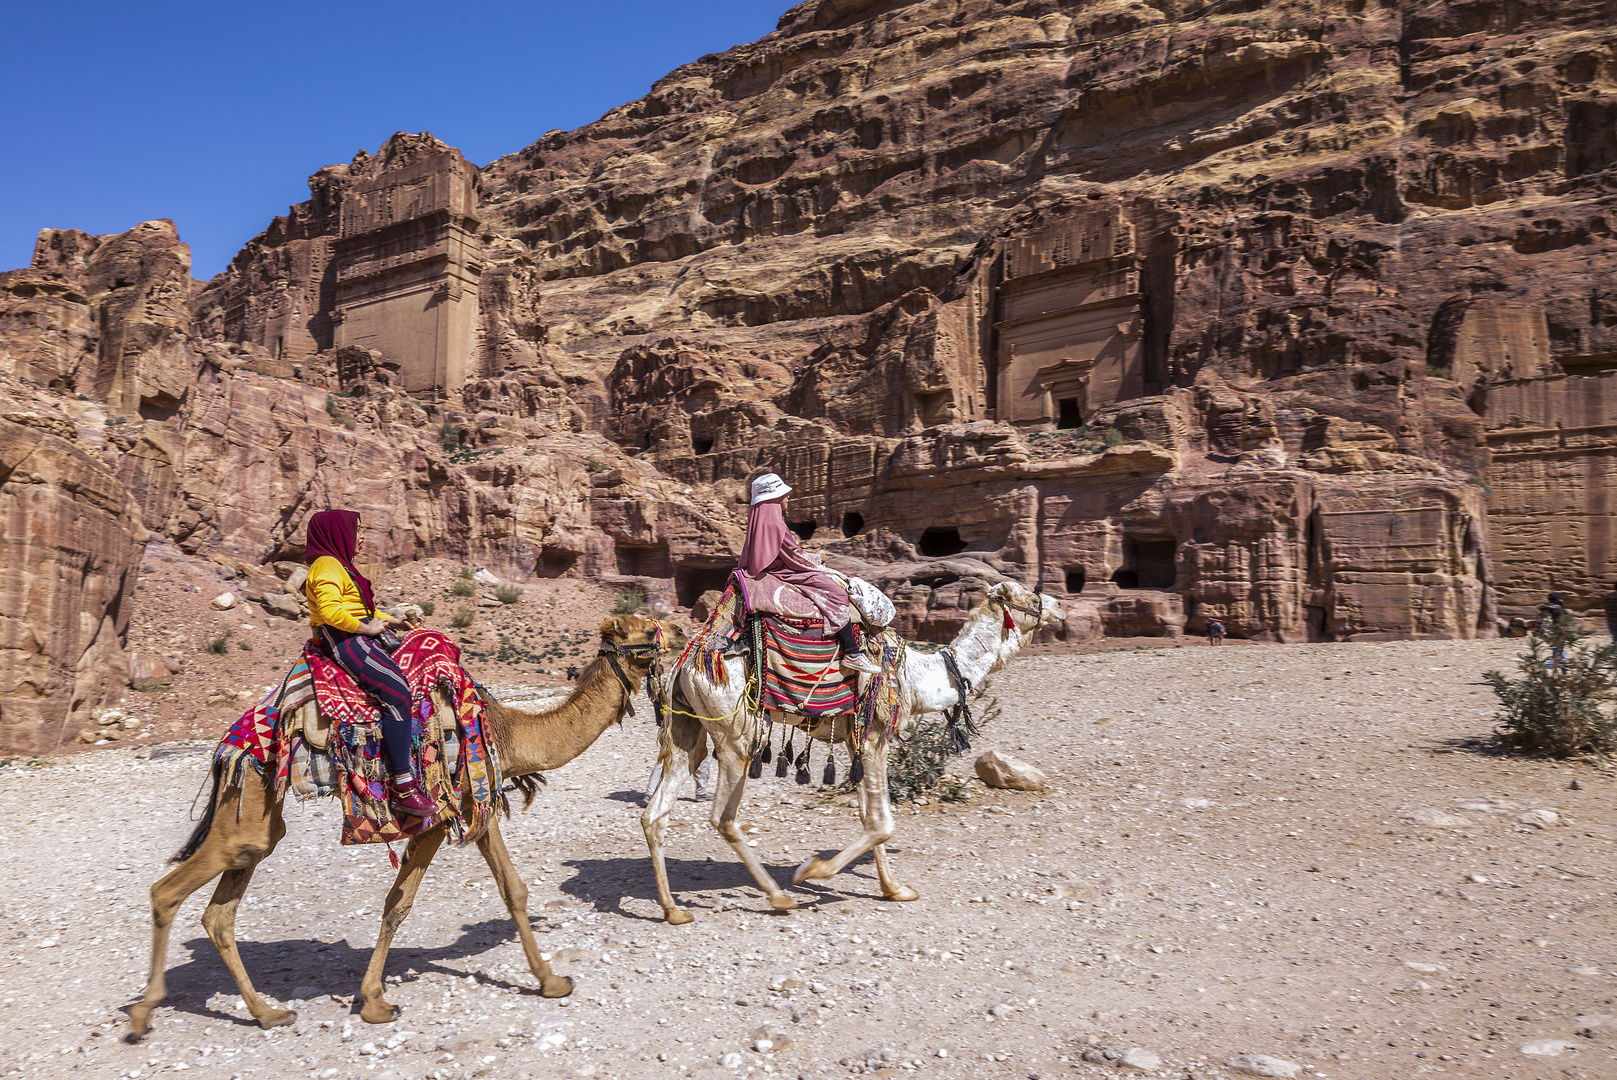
(830, 776)
(803, 776)
(768, 755)
(392, 857)
(756, 769)
(1010, 624)
(857, 773)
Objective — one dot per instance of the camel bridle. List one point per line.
(653, 649)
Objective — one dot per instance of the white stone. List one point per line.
(223, 602)
(1539, 819)
(1195, 804)
(1139, 1058)
(1263, 1065)
(730, 1061)
(1544, 1047)
(1436, 819)
(999, 770)
(1000, 1011)
(1413, 965)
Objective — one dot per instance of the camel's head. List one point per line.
(1029, 609)
(640, 639)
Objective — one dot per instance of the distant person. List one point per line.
(1215, 631)
(1551, 611)
(1611, 612)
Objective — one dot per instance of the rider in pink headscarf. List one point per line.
(772, 549)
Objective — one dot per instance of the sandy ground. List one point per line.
(1291, 851)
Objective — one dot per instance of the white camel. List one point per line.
(703, 712)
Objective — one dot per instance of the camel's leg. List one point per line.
(876, 814)
(731, 780)
(219, 920)
(217, 854)
(515, 894)
(418, 855)
(684, 736)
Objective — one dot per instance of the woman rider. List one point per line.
(343, 615)
(772, 549)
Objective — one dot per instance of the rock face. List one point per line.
(1300, 323)
(68, 560)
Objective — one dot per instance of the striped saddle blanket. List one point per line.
(801, 671)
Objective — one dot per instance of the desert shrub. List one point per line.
(463, 588)
(595, 465)
(1113, 437)
(463, 618)
(427, 606)
(1562, 703)
(915, 765)
(466, 573)
(628, 603)
(508, 594)
(245, 646)
(219, 644)
(447, 437)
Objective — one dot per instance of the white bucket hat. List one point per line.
(768, 486)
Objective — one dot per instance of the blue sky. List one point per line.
(214, 114)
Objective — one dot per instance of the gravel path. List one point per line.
(1289, 851)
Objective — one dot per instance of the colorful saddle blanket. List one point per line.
(798, 670)
(265, 737)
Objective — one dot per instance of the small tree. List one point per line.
(916, 763)
(508, 594)
(1562, 703)
(463, 618)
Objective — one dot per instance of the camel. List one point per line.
(701, 711)
(242, 826)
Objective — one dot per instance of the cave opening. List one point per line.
(690, 582)
(1147, 564)
(1067, 414)
(652, 562)
(1075, 579)
(853, 523)
(938, 541)
(702, 446)
(803, 529)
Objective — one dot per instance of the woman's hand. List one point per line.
(372, 627)
(399, 624)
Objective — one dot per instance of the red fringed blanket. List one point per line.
(263, 739)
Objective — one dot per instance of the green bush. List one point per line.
(427, 607)
(463, 618)
(245, 646)
(593, 465)
(1113, 437)
(466, 573)
(628, 603)
(1562, 703)
(916, 763)
(508, 594)
(463, 588)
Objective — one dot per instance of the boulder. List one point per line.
(223, 602)
(147, 670)
(282, 605)
(999, 770)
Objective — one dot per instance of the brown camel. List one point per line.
(243, 825)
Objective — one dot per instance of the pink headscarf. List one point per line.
(767, 538)
(336, 533)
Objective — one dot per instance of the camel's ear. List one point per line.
(1000, 591)
(611, 626)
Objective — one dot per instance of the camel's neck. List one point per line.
(531, 742)
(981, 648)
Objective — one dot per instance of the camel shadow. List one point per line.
(605, 884)
(281, 968)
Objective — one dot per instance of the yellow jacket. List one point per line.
(334, 599)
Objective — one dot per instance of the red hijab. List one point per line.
(336, 533)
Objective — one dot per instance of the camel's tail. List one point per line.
(205, 826)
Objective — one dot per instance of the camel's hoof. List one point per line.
(782, 902)
(678, 916)
(902, 893)
(555, 986)
(275, 1018)
(813, 868)
(379, 1012)
(140, 1023)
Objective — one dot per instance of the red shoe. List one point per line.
(408, 800)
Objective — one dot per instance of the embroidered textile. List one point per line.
(801, 671)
